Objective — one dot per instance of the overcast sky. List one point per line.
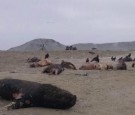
(66, 21)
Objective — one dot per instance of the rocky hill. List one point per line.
(123, 46)
(38, 45)
(52, 45)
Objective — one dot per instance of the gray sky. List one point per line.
(66, 21)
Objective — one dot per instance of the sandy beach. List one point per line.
(100, 92)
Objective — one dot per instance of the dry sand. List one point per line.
(99, 93)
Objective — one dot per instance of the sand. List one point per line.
(99, 92)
